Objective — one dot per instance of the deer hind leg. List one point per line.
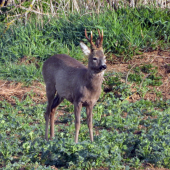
(56, 102)
(50, 92)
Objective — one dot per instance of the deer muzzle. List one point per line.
(103, 67)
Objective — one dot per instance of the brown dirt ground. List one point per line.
(9, 89)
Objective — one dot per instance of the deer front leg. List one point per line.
(77, 110)
(89, 110)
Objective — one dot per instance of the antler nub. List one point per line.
(86, 35)
(99, 33)
(101, 38)
(91, 35)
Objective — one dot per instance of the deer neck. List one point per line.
(95, 79)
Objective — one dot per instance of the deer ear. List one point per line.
(84, 48)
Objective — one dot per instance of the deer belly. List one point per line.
(66, 95)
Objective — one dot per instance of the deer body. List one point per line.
(75, 82)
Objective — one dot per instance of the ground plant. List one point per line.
(131, 128)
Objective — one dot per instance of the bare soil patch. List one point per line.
(9, 89)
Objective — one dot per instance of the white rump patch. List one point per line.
(84, 48)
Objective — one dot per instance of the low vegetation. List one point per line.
(131, 129)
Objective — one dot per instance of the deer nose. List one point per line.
(103, 67)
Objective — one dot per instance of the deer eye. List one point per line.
(94, 59)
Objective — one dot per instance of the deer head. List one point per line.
(97, 59)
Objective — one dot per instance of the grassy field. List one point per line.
(132, 117)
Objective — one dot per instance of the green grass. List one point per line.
(153, 78)
(123, 142)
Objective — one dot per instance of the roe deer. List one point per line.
(75, 82)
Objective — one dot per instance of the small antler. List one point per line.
(101, 38)
(90, 40)
(99, 33)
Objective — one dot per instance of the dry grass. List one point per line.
(55, 8)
